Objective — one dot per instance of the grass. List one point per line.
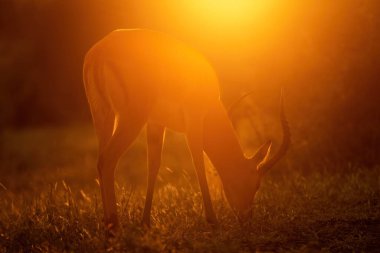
(50, 201)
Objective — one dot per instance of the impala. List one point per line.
(141, 77)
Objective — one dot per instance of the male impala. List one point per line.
(140, 77)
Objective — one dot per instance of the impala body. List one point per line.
(141, 77)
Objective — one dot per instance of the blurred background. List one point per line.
(325, 54)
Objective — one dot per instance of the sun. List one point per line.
(225, 10)
(229, 13)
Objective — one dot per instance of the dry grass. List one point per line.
(50, 201)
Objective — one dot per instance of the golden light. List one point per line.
(229, 14)
(225, 10)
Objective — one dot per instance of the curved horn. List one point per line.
(264, 167)
(232, 106)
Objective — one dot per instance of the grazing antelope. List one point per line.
(141, 77)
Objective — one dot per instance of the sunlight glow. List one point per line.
(230, 13)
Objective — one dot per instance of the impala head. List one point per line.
(241, 192)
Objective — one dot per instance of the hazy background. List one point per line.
(326, 54)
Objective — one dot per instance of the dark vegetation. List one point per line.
(323, 196)
(46, 208)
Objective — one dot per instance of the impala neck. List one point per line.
(221, 144)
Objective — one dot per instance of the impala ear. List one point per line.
(262, 153)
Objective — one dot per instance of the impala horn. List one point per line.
(266, 165)
(232, 106)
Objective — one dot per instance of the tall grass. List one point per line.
(50, 202)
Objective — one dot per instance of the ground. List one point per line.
(50, 201)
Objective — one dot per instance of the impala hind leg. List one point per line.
(195, 142)
(127, 130)
(155, 137)
(103, 123)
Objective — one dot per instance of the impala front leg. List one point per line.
(195, 142)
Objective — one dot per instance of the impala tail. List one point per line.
(92, 76)
(98, 96)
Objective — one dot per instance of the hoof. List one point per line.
(213, 221)
(145, 223)
(112, 232)
(112, 226)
